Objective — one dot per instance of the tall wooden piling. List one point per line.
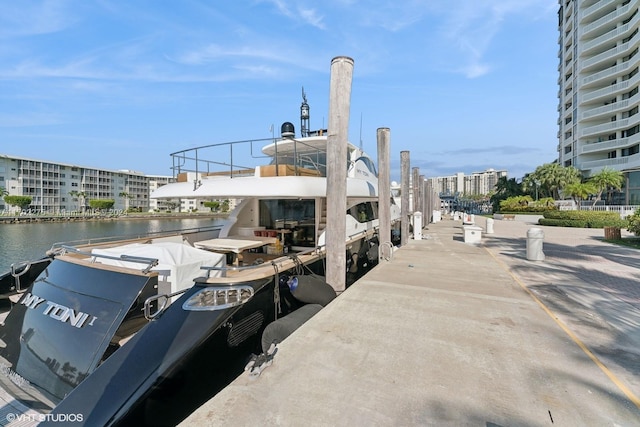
(421, 199)
(404, 197)
(415, 193)
(339, 104)
(428, 202)
(384, 189)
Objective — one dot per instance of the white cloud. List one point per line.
(28, 119)
(312, 17)
(28, 17)
(474, 70)
(299, 12)
(471, 27)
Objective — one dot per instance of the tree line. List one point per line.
(555, 182)
(23, 202)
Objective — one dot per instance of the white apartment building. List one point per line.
(190, 205)
(599, 124)
(478, 183)
(59, 187)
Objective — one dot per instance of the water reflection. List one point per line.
(21, 242)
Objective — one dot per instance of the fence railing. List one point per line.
(623, 210)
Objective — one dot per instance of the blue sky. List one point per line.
(122, 84)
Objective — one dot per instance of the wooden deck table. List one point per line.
(235, 244)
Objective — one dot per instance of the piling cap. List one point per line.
(342, 59)
(535, 232)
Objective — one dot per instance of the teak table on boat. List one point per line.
(235, 244)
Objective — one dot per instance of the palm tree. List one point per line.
(505, 188)
(579, 191)
(126, 196)
(568, 175)
(530, 185)
(3, 192)
(551, 178)
(607, 179)
(78, 194)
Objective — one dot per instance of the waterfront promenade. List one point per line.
(449, 333)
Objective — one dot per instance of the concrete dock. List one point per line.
(449, 333)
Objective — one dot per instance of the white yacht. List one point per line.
(141, 331)
(282, 201)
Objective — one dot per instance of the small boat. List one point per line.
(144, 330)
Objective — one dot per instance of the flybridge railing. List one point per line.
(210, 158)
(231, 158)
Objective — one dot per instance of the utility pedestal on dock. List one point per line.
(417, 225)
(472, 234)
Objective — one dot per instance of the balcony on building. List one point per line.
(605, 23)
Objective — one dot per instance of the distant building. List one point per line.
(187, 205)
(598, 85)
(60, 187)
(476, 184)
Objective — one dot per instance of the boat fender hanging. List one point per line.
(277, 331)
(311, 289)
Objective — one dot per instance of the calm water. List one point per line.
(21, 242)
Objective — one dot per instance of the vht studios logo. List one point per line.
(59, 312)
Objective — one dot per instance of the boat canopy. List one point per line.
(178, 263)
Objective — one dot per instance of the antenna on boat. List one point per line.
(360, 131)
(304, 115)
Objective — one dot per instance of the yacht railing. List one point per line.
(149, 263)
(231, 158)
(208, 231)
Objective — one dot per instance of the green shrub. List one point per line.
(555, 222)
(515, 204)
(519, 204)
(583, 215)
(21, 201)
(101, 204)
(634, 223)
(620, 223)
(583, 219)
(543, 205)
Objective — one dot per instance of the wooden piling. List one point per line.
(339, 104)
(384, 189)
(404, 197)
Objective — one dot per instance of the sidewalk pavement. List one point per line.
(448, 333)
(591, 286)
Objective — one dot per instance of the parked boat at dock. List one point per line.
(142, 331)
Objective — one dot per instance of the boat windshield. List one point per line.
(369, 165)
(315, 161)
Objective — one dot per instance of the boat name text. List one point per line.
(59, 312)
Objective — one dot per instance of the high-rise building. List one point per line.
(478, 183)
(599, 124)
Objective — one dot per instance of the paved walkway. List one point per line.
(454, 334)
(590, 286)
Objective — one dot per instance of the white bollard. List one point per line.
(535, 238)
(417, 225)
(489, 226)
